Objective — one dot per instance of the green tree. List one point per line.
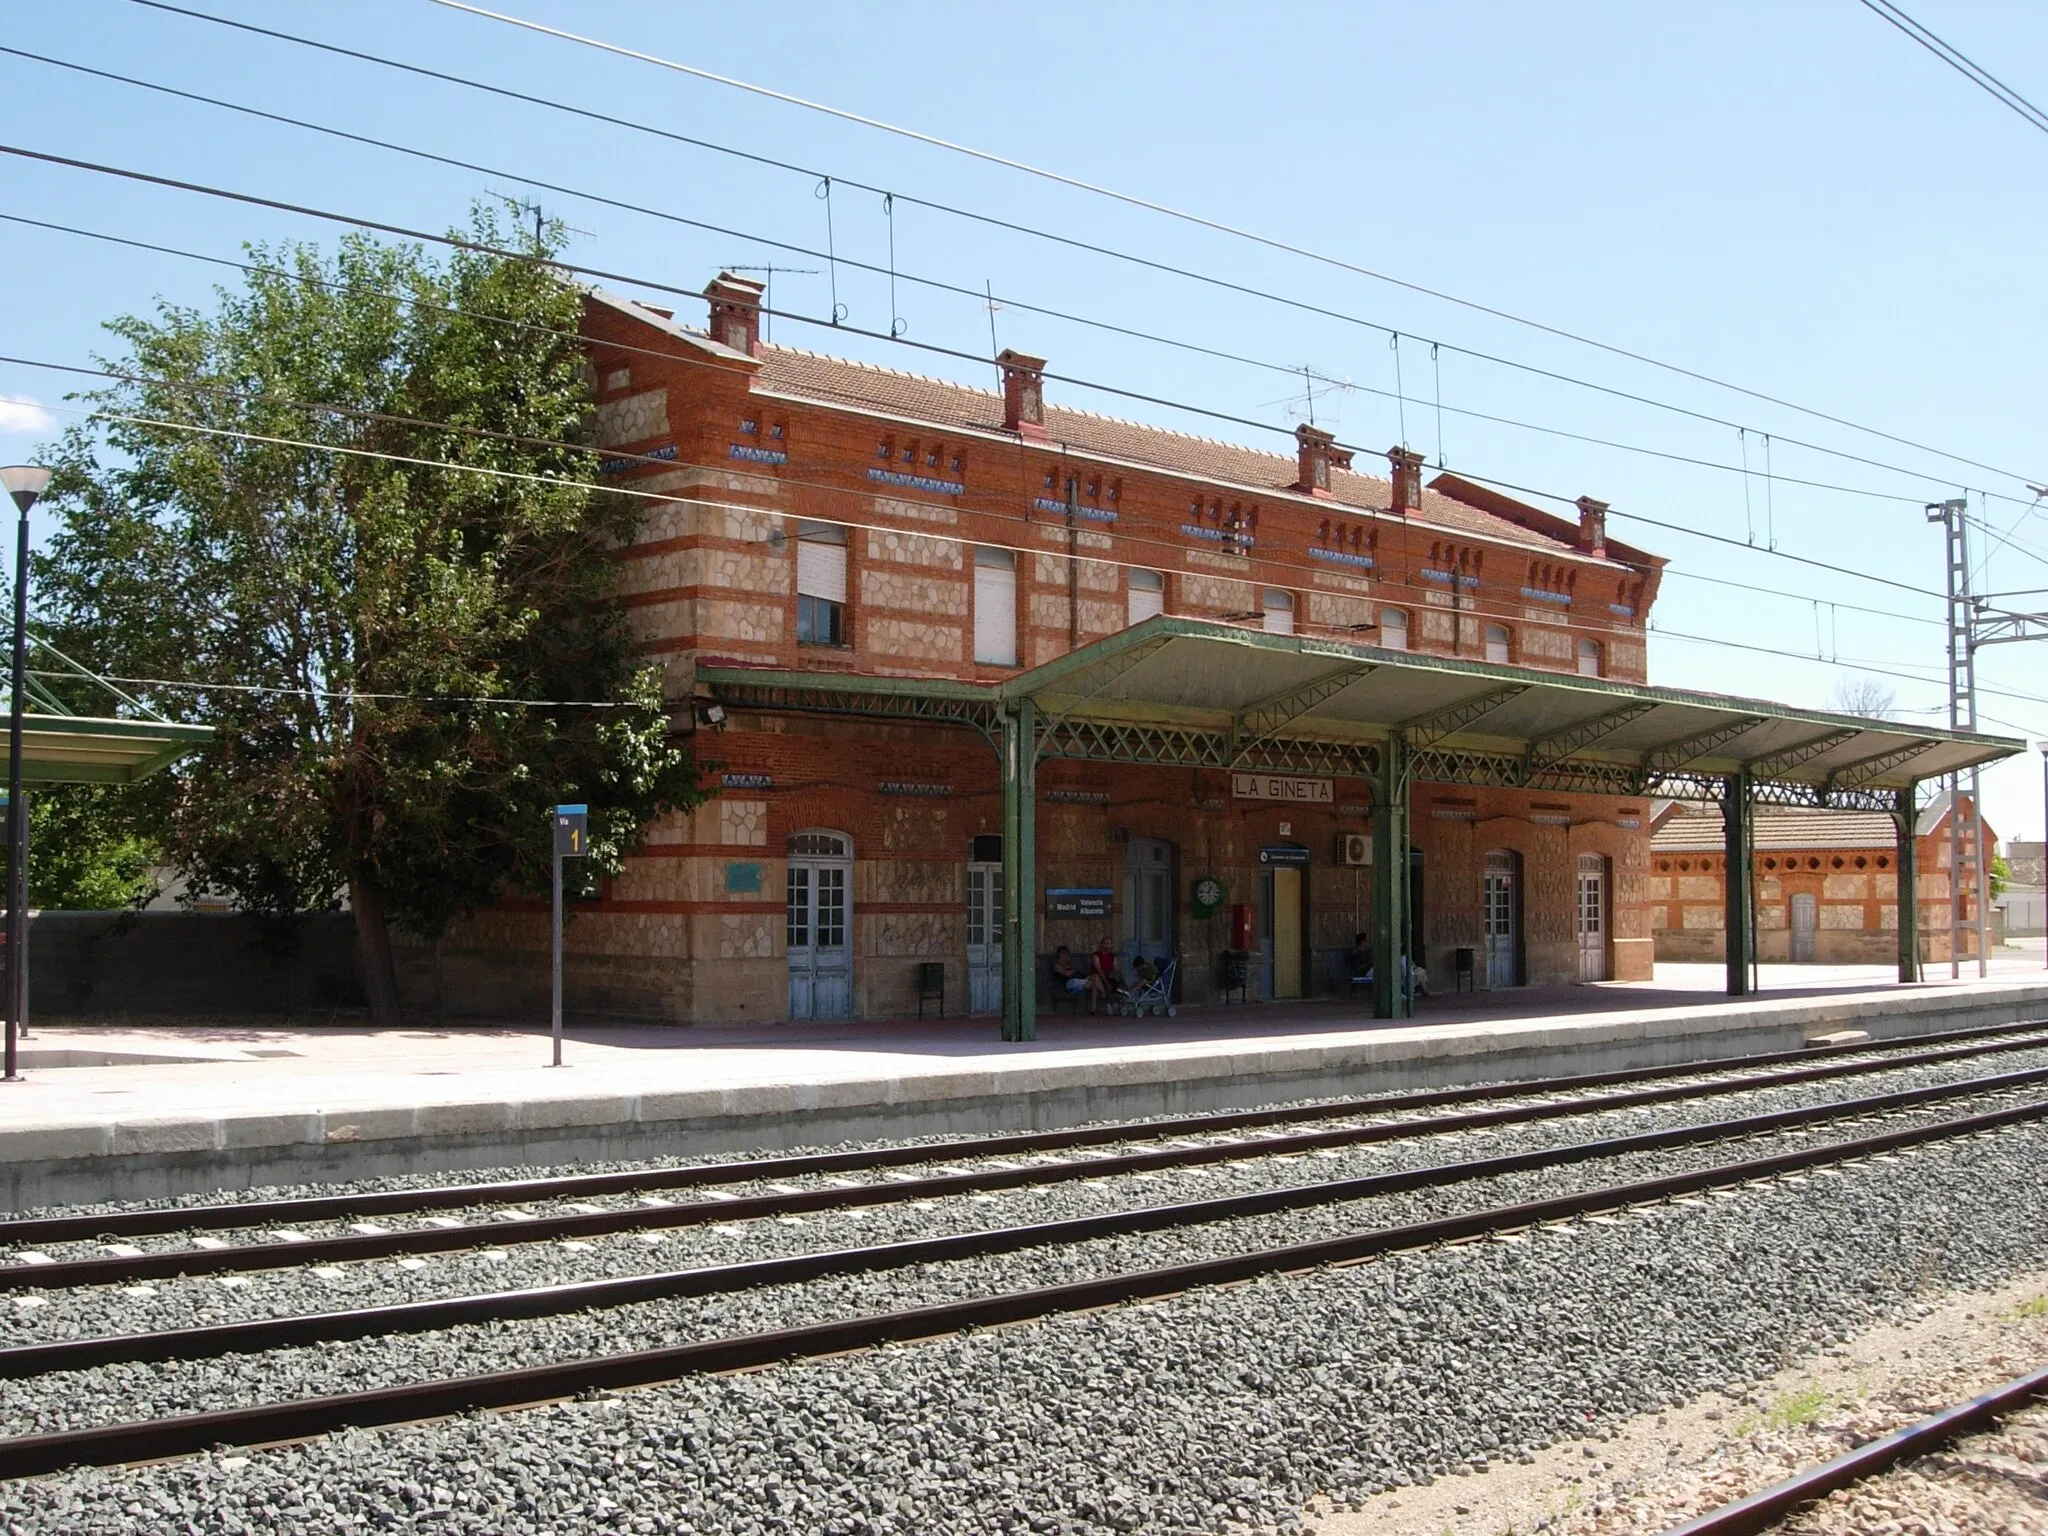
(370, 623)
(85, 851)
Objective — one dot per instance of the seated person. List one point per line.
(1070, 981)
(1414, 976)
(1359, 959)
(1107, 970)
(1144, 971)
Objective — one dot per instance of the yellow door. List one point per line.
(1287, 933)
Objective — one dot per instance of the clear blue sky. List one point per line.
(1790, 195)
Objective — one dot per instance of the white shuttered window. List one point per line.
(1279, 611)
(1393, 629)
(1148, 596)
(820, 584)
(995, 607)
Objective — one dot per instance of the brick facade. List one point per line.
(1840, 866)
(742, 448)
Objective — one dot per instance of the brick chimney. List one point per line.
(1316, 455)
(736, 312)
(1593, 527)
(1023, 393)
(1407, 480)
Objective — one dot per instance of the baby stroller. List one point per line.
(1154, 996)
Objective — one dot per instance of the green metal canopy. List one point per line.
(1198, 694)
(61, 746)
(1194, 693)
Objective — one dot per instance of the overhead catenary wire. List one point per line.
(1952, 56)
(460, 243)
(839, 311)
(1858, 664)
(1218, 226)
(1150, 263)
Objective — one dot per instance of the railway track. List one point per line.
(303, 1418)
(511, 1223)
(1763, 1510)
(212, 1342)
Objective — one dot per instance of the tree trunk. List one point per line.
(373, 951)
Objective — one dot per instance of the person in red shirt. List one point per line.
(1107, 970)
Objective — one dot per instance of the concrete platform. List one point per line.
(158, 1110)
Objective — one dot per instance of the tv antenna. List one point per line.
(768, 272)
(1302, 404)
(526, 206)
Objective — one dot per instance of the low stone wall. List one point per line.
(87, 964)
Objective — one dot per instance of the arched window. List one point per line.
(1497, 643)
(1589, 658)
(1393, 633)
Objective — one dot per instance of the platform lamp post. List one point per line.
(25, 483)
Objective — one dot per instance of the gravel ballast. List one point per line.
(1219, 1410)
(500, 1262)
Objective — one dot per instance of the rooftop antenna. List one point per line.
(988, 289)
(540, 219)
(768, 271)
(1302, 405)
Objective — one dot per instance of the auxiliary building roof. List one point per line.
(1515, 724)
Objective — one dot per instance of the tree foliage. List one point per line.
(85, 851)
(371, 626)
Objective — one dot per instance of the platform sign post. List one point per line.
(572, 841)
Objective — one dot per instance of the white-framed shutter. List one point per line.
(1279, 610)
(1393, 633)
(1147, 596)
(821, 561)
(995, 607)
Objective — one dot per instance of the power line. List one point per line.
(456, 242)
(1975, 73)
(1110, 252)
(1199, 220)
(386, 456)
(353, 695)
(1824, 661)
(1065, 316)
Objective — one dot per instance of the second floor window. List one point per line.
(1589, 658)
(1393, 633)
(995, 607)
(1148, 596)
(1279, 611)
(1497, 644)
(820, 584)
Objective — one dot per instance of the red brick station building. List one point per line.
(976, 675)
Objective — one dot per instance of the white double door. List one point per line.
(1500, 912)
(985, 932)
(818, 925)
(1592, 917)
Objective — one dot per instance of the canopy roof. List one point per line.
(1203, 694)
(61, 746)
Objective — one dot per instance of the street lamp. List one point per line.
(25, 483)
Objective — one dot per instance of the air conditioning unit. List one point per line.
(1354, 848)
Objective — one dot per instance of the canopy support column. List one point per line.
(1020, 872)
(1391, 998)
(1738, 882)
(1905, 829)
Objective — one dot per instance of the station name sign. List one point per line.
(1072, 901)
(1272, 786)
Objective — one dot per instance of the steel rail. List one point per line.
(1764, 1509)
(30, 1231)
(290, 1254)
(304, 1418)
(256, 1334)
